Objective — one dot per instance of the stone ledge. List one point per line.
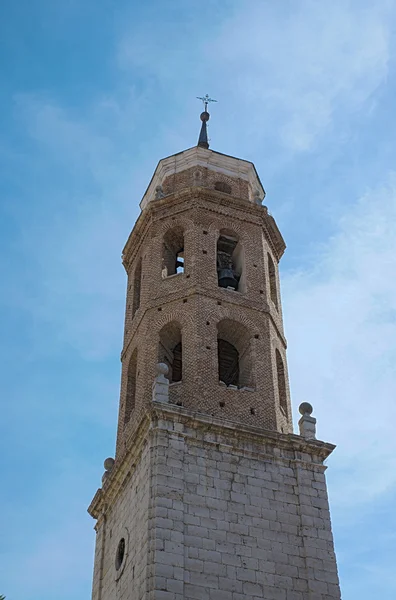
(196, 420)
(173, 419)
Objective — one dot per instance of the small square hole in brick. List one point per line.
(187, 276)
(205, 232)
(219, 303)
(221, 404)
(252, 411)
(255, 266)
(207, 347)
(256, 337)
(261, 291)
(207, 323)
(185, 300)
(204, 251)
(159, 309)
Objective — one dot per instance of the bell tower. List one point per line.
(211, 496)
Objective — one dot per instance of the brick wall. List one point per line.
(197, 304)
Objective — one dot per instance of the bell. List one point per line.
(227, 279)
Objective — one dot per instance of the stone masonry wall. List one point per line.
(239, 516)
(127, 517)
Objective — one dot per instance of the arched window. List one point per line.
(137, 284)
(228, 357)
(280, 370)
(221, 186)
(130, 387)
(234, 354)
(272, 280)
(230, 259)
(173, 252)
(170, 350)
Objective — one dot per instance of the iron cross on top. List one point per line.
(206, 100)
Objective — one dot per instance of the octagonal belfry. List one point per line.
(211, 495)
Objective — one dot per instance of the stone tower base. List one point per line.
(208, 511)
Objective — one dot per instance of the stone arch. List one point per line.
(170, 349)
(281, 380)
(234, 353)
(130, 396)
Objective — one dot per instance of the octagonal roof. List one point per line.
(198, 156)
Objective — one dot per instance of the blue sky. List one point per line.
(92, 97)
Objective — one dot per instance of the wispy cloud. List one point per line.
(290, 77)
(297, 65)
(341, 324)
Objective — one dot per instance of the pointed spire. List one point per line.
(203, 136)
(205, 116)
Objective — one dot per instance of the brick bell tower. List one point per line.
(210, 496)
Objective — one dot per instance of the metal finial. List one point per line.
(205, 99)
(203, 136)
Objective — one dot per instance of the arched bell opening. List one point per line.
(234, 354)
(230, 261)
(228, 357)
(130, 396)
(170, 350)
(280, 372)
(137, 285)
(272, 281)
(173, 252)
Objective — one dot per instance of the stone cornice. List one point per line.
(255, 441)
(122, 469)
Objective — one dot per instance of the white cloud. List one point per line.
(288, 72)
(296, 64)
(341, 327)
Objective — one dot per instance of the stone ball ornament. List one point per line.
(108, 463)
(162, 369)
(305, 408)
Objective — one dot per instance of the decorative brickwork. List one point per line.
(199, 176)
